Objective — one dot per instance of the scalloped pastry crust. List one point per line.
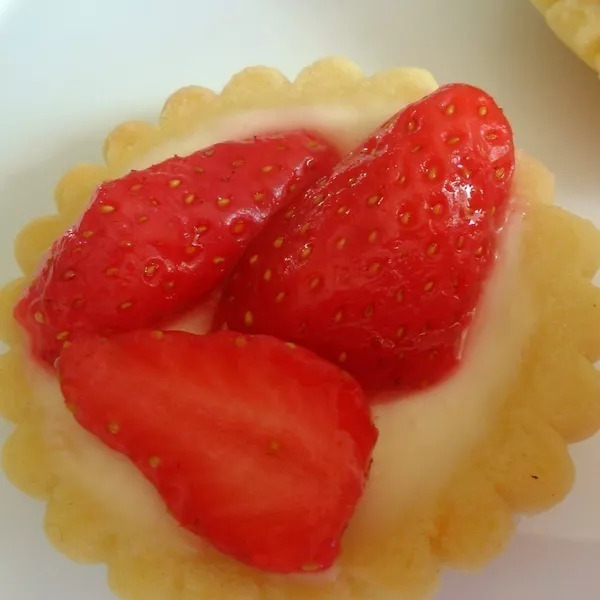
(577, 24)
(522, 466)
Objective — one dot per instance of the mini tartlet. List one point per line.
(522, 465)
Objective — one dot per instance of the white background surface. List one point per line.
(70, 70)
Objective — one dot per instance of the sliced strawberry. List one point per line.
(261, 447)
(381, 266)
(155, 241)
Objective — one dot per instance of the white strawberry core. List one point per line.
(421, 438)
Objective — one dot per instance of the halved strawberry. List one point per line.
(261, 447)
(380, 266)
(154, 242)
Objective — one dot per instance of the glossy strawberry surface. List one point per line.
(156, 241)
(259, 447)
(380, 266)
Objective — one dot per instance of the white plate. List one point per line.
(71, 69)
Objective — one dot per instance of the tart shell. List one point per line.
(577, 24)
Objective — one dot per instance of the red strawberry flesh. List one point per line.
(154, 242)
(260, 447)
(381, 266)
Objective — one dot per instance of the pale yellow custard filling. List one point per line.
(422, 438)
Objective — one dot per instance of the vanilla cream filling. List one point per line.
(421, 438)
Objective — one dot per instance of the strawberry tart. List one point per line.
(311, 339)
